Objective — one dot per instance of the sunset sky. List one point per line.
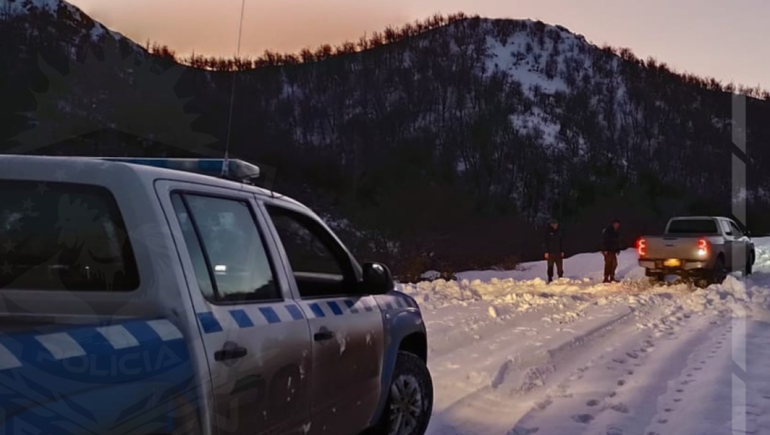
(724, 39)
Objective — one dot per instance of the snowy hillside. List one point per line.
(543, 68)
(453, 138)
(511, 355)
(67, 14)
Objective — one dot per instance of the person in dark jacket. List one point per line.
(554, 249)
(611, 250)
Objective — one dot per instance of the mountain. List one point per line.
(445, 143)
(72, 24)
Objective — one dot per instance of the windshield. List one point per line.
(692, 226)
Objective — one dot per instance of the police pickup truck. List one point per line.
(143, 296)
(703, 248)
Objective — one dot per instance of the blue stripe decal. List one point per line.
(241, 318)
(335, 308)
(53, 377)
(317, 310)
(270, 315)
(144, 334)
(90, 340)
(350, 304)
(209, 323)
(295, 312)
(366, 305)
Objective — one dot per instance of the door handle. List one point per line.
(323, 335)
(232, 353)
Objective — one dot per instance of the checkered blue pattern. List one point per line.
(250, 317)
(284, 313)
(353, 306)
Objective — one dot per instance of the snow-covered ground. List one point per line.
(511, 355)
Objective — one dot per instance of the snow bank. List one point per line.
(525, 288)
(509, 351)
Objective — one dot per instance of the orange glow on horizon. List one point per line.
(709, 38)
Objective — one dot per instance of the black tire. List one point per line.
(719, 273)
(750, 265)
(411, 373)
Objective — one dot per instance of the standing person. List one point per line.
(554, 249)
(611, 250)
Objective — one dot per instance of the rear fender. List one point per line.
(101, 379)
(136, 408)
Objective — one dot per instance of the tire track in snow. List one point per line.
(518, 385)
(702, 400)
(610, 396)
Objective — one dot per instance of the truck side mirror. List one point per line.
(377, 279)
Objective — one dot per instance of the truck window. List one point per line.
(726, 228)
(205, 282)
(320, 266)
(736, 231)
(226, 248)
(692, 226)
(63, 236)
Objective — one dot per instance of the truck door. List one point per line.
(346, 325)
(256, 337)
(740, 252)
(731, 243)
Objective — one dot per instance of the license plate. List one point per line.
(672, 263)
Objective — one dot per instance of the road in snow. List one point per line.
(511, 355)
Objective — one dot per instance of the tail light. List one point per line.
(641, 247)
(703, 248)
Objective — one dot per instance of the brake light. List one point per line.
(703, 247)
(641, 247)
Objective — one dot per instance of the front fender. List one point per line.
(401, 318)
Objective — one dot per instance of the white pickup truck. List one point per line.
(148, 297)
(703, 248)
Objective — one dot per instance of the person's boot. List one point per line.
(606, 280)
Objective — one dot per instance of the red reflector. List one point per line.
(704, 245)
(641, 247)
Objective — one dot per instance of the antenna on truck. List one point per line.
(225, 165)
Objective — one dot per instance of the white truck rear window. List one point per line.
(692, 226)
(63, 236)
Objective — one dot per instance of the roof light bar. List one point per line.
(235, 170)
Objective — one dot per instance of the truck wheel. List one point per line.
(719, 272)
(750, 265)
(410, 399)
